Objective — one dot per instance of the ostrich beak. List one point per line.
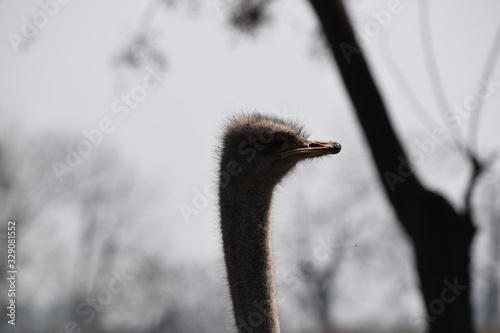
(314, 149)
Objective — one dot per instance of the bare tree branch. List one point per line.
(419, 110)
(433, 71)
(488, 69)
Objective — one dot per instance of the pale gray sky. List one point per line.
(64, 80)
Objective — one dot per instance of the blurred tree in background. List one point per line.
(87, 226)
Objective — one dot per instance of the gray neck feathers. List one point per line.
(246, 234)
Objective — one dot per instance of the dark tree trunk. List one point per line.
(441, 236)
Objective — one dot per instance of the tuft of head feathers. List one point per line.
(258, 121)
(251, 148)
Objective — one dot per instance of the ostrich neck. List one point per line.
(246, 234)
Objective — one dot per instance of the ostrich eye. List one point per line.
(275, 144)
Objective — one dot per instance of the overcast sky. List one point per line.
(65, 81)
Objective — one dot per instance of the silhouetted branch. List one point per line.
(478, 168)
(419, 110)
(441, 236)
(489, 68)
(440, 96)
(435, 80)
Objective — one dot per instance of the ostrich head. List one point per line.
(261, 150)
(257, 152)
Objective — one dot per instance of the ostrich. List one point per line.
(257, 152)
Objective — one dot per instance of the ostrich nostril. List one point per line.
(313, 145)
